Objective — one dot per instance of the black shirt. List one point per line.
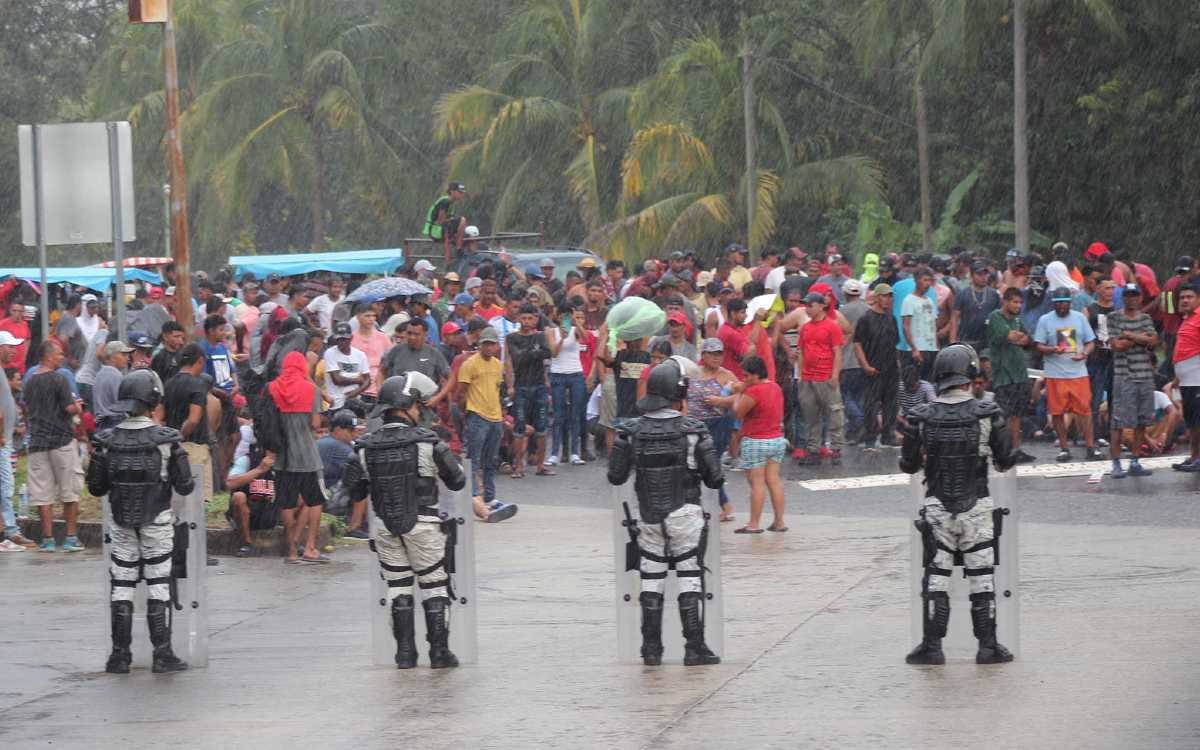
(47, 396)
(878, 335)
(1098, 318)
(628, 366)
(165, 363)
(974, 307)
(180, 392)
(529, 353)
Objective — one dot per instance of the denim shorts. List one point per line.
(530, 406)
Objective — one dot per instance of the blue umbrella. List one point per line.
(393, 286)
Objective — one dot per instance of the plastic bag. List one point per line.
(634, 318)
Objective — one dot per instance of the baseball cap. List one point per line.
(1125, 290)
(449, 328)
(7, 339)
(473, 283)
(140, 340)
(677, 255)
(677, 317)
(423, 265)
(89, 298)
(342, 331)
(343, 418)
(546, 263)
(458, 186)
(797, 253)
(814, 297)
(668, 279)
(1184, 263)
(1063, 294)
(114, 347)
(852, 286)
(273, 277)
(471, 231)
(462, 298)
(1013, 253)
(533, 271)
(882, 289)
(712, 345)
(726, 286)
(394, 322)
(156, 292)
(586, 262)
(978, 266)
(452, 276)
(1096, 249)
(835, 258)
(489, 334)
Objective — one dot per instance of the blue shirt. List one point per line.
(1031, 314)
(1071, 331)
(70, 376)
(218, 364)
(335, 454)
(900, 290)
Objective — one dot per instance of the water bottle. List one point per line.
(22, 501)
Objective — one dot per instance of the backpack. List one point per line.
(268, 425)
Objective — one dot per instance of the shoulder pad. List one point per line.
(162, 435)
(919, 413)
(421, 435)
(987, 409)
(692, 425)
(631, 426)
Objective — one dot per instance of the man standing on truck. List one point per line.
(441, 222)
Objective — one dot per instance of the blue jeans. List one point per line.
(851, 382)
(7, 480)
(483, 448)
(530, 404)
(718, 427)
(570, 411)
(1101, 376)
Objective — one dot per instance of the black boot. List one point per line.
(695, 652)
(122, 635)
(983, 618)
(402, 629)
(159, 621)
(652, 614)
(437, 632)
(935, 621)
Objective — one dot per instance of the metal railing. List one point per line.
(411, 244)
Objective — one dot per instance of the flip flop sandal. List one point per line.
(546, 473)
(747, 530)
(320, 559)
(503, 513)
(780, 529)
(291, 561)
(518, 474)
(729, 518)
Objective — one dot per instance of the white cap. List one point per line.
(473, 282)
(471, 231)
(7, 339)
(395, 322)
(423, 265)
(852, 286)
(89, 298)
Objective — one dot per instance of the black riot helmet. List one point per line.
(666, 385)
(956, 365)
(402, 391)
(140, 387)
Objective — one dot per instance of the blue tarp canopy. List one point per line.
(348, 261)
(97, 279)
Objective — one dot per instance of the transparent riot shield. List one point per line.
(960, 642)
(189, 612)
(464, 637)
(629, 585)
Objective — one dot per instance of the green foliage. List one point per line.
(620, 123)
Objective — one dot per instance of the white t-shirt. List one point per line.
(323, 307)
(567, 362)
(503, 327)
(354, 363)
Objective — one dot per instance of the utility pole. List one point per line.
(180, 251)
(1020, 121)
(751, 142)
(923, 165)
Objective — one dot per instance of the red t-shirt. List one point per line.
(762, 346)
(1187, 345)
(736, 347)
(765, 420)
(587, 348)
(487, 313)
(19, 330)
(819, 339)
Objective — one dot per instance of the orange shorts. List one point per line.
(1073, 395)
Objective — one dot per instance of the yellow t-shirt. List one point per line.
(482, 378)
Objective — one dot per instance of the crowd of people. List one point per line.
(795, 354)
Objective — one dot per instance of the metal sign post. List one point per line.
(114, 175)
(39, 222)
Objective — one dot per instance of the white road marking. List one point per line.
(1044, 471)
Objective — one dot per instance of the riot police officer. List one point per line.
(398, 465)
(670, 455)
(952, 438)
(137, 465)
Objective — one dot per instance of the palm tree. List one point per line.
(683, 171)
(284, 88)
(551, 113)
